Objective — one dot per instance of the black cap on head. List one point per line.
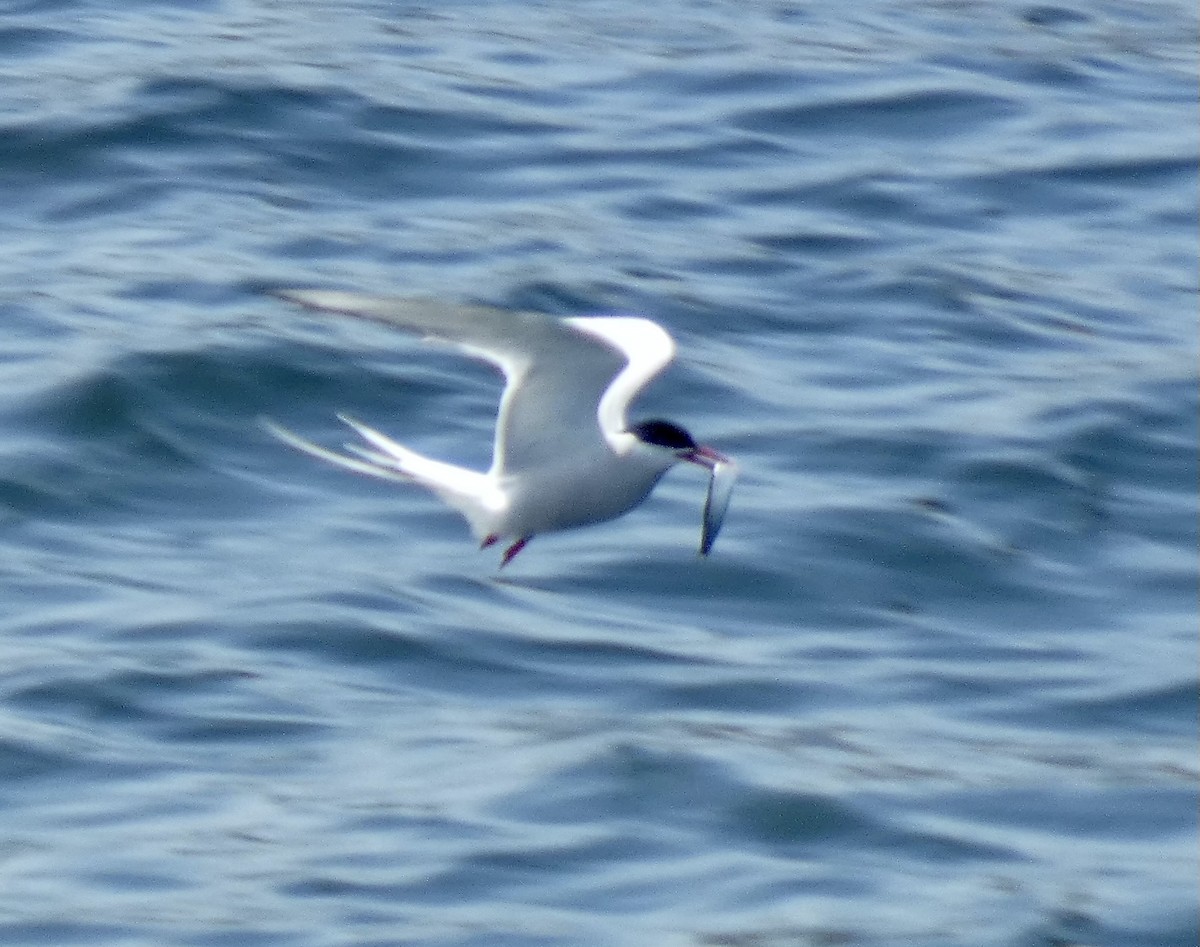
(664, 434)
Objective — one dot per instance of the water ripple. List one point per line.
(931, 268)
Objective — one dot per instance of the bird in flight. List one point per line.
(564, 453)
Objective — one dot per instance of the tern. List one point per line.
(564, 454)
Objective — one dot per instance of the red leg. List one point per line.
(512, 550)
(489, 541)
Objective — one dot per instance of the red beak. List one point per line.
(705, 456)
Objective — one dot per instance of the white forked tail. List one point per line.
(471, 493)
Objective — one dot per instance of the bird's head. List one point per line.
(674, 445)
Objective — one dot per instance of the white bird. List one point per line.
(564, 453)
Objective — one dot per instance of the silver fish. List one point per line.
(720, 489)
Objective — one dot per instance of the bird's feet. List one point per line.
(511, 552)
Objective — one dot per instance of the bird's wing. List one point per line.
(569, 380)
(509, 340)
(646, 348)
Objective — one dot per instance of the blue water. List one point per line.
(932, 268)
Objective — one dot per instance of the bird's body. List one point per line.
(564, 454)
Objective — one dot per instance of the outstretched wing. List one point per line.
(568, 381)
(647, 350)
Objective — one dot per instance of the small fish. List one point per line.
(720, 490)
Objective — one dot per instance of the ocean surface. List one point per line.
(932, 269)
